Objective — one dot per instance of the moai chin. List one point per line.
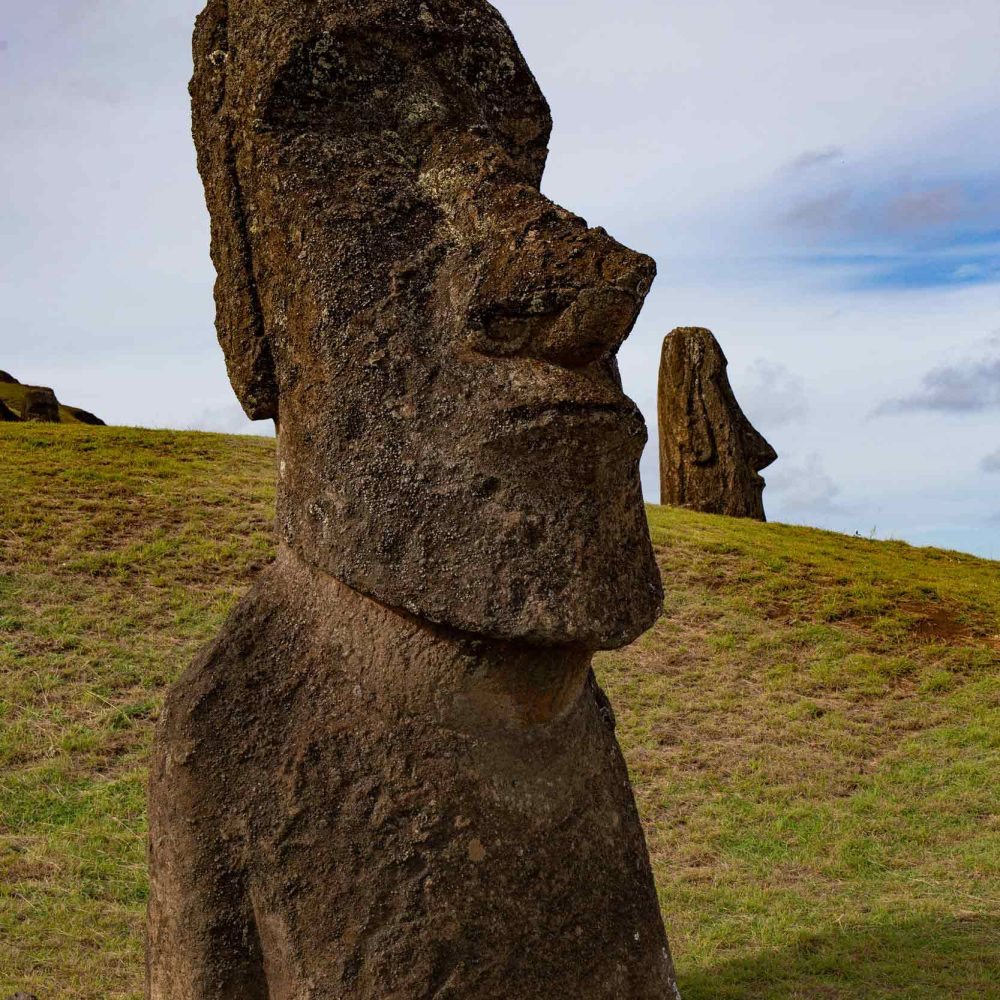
(393, 774)
(710, 454)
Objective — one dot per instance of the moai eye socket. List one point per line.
(336, 80)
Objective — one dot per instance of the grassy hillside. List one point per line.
(813, 728)
(13, 395)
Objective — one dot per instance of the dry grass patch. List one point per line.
(813, 727)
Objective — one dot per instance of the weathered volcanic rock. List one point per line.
(86, 417)
(7, 415)
(710, 454)
(8, 379)
(393, 774)
(40, 406)
(461, 445)
(379, 807)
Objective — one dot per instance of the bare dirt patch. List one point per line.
(934, 623)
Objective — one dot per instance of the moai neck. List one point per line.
(415, 667)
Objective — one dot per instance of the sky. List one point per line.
(819, 184)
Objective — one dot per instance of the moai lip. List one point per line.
(393, 773)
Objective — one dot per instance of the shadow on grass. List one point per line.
(927, 959)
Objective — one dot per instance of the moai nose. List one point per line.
(554, 289)
(759, 451)
(604, 311)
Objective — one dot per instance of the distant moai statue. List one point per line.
(394, 774)
(41, 406)
(710, 454)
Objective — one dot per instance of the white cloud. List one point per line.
(815, 158)
(803, 486)
(687, 130)
(969, 386)
(933, 207)
(230, 420)
(824, 211)
(773, 396)
(991, 463)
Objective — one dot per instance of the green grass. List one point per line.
(813, 727)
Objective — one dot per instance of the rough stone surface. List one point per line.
(440, 337)
(350, 803)
(393, 774)
(41, 406)
(710, 454)
(7, 415)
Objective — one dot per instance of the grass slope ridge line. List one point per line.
(813, 727)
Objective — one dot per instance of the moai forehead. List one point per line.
(436, 339)
(366, 88)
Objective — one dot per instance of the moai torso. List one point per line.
(465, 831)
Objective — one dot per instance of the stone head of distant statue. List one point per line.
(710, 454)
(434, 338)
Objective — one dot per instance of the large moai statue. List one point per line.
(393, 774)
(710, 454)
(40, 406)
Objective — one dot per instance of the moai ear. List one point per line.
(700, 436)
(239, 319)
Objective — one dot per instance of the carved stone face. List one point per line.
(710, 454)
(435, 338)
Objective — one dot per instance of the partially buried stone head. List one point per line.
(436, 340)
